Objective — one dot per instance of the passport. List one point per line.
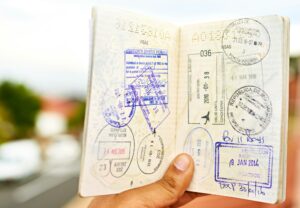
(217, 91)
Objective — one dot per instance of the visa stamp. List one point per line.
(136, 63)
(246, 41)
(115, 150)
(199, 145)
(244, 164)
(154, 114)
(249, 110)
(150, 154)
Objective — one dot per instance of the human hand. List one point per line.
(167, 192)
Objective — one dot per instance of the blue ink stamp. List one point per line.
(244, 164)
(136, 63)
(115, 112)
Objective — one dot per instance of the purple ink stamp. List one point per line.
(244, 164)
(154, 114)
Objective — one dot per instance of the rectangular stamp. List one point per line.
(244, 164)
(114, 150)
(206, 81)
(136, 63)
(153, 114)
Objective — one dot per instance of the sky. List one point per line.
(45, 43)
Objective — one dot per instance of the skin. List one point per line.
(170, 191)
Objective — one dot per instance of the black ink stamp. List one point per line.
(238, 76)
(206, 89)
(246, 41)
(150, 154)
(249, 110)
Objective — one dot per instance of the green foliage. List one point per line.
(294, 66)
(21, 105)
(75, 122)
(7, 129)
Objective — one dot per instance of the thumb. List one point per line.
(166, 191)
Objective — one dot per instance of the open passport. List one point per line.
(217, 91)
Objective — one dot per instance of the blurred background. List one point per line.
(44, 59)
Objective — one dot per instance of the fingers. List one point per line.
(177, 179)
(186, 198)
(102, 201)
(166, 191)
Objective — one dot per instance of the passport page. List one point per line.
(230, 111)
(130, 120)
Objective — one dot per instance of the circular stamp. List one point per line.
(249, 110)
(119, 107)
(199, 145)
(150, 153)
(246, 41)
(115, 149)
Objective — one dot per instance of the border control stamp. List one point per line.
(150, 154)
(249, 110)
(206, 88)
(246, 41)
(153, 114)
(199, 145)
(116, 113)
(115, 150)
(137, 61)
(238, 76)
(244, 164)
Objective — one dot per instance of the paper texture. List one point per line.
(229, 118)
(216, 91)
(130, 126)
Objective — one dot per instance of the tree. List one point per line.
(21, 105)
(76, 121)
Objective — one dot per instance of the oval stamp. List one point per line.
(116, 112)
(150, 153)
(115, 149)
(199, 145)
(246, 41)
(249, 110)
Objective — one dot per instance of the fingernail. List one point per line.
(182, 162)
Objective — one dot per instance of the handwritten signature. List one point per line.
(243, 138)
